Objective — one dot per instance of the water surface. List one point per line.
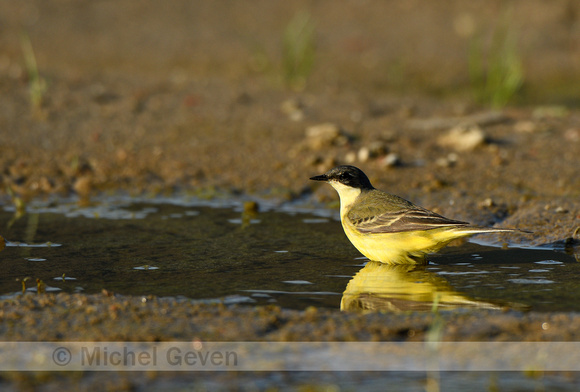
(214, 251)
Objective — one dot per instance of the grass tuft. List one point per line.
(298, 50)
(497, 74)
(37, 85)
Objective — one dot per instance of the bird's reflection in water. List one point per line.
(400, 288)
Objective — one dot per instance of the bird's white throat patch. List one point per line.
(347, 195)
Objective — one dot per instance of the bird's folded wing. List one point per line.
(397, 221)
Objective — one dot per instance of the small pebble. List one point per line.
(525, 127)
(447, 161)
(390, 160)
(463, 138)
(363, 154)
(487, 203)
(293, 109)
(324, 135)
(350, 157)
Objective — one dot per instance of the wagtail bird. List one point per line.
(388, 228)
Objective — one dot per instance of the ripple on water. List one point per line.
(63, 278)
(25, 245)
(297, 282)
(462, 272)
(316, 220)
(238, 221)
(548, 262)
(531, 281)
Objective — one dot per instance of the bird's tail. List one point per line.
(482, 229)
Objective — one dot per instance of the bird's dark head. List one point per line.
(346, 175)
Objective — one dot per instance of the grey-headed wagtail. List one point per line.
(388, 228)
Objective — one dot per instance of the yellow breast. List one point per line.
(399, 248)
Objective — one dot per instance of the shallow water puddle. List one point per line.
(286, 256)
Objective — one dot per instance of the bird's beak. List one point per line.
(322, 177)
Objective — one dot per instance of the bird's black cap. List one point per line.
(347, 175)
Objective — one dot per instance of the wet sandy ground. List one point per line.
(77, 317)
(107, 317)
(189, 97)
